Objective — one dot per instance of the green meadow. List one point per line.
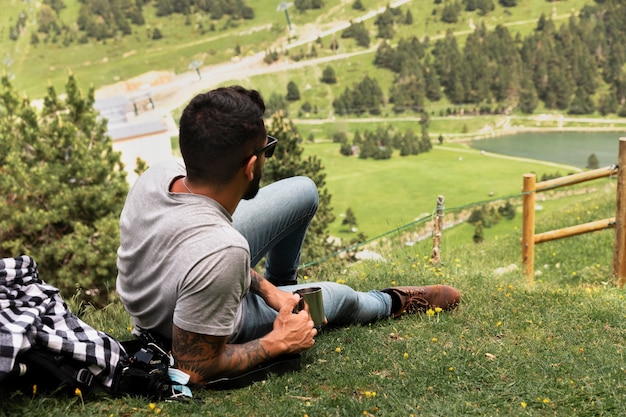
(387, 194)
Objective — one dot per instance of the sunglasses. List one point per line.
(268, 149)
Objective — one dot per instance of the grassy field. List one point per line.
(387, 194)
(512, 348)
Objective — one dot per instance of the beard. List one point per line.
(253, 187)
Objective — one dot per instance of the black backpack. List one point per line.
(143, 371)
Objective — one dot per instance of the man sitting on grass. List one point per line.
(190, 235)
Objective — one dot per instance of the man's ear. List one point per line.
(248, 168)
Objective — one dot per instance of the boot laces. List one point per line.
(415, 302)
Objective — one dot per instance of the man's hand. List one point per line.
(296, 331)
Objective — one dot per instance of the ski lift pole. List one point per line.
(435, 257)
(282, 7)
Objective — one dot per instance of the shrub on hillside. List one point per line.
(62, 189)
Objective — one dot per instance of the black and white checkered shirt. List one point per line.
(33, 313)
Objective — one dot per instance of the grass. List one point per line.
(512, 348)
(391, 193)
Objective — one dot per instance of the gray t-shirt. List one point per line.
(180, 259)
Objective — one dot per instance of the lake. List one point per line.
(571, 148)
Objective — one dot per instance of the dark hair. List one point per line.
(218, 130)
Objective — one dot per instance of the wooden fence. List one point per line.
(530, 239)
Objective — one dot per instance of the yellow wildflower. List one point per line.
(430, 312)
(79, 394)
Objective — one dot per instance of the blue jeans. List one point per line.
(275, 224)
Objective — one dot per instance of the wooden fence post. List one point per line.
(528, 226)
(619, 249)
(435, 257)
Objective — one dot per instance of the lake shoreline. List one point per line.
(563, 145)
(523, 130)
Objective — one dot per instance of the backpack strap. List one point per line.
(50, 371)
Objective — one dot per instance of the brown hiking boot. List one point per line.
(420, 299)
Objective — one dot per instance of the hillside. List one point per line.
(185, 46)
(554, 347)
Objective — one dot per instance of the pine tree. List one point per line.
(527, 95)
(477, 68)
(293, 93)
(358, 32)
(447, 56)
(407, 91)
(503, 56)
(450, 12)
(328, 75)
(581, 103)
(368, 148)
(385, 22)
(357, 5)
(350, 219)
(431, 80)
(593, 162)
(385, 56)
(408, 19)
(485, 6)
(479, 233)
(608, 103)
(62, 189)
(276, 103)
(425, 144)
(57, 5)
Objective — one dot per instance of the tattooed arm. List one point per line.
(272, 296)
(206, 357)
